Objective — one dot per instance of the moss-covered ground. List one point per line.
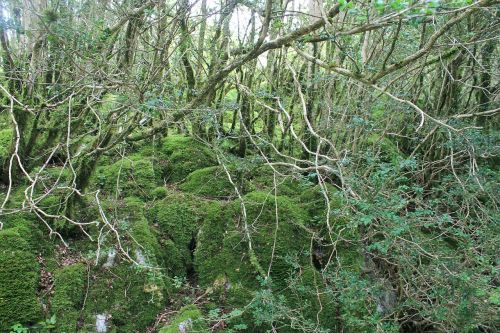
(187, 238)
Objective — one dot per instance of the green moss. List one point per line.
(221, 255)
(29, 228)
(225, 267)
(133, 175)
(160, 192)
(145, 240)
(52, 175)
(178, 218)
(261, 213)
(130, 296)
(130, 208)
(56, 203)
(16, 199)
(189, 319)
(313, 200)
(53, 203)
(140, 237)
(175, 261)
(18, 280)
(263, 179)
(209, 254)
(209, 182)
(223, 250)
(69, 292)
(175, 142)
(179, 156)
(5, 140)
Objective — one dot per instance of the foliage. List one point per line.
(360, 137)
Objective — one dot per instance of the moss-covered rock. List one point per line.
(133, 175)
(144, 240)
(188, 320)
(160, 192)
(314, 202)
(209, 182)
(178, 218)
(19, 272)
(54, 203)
(179, 156)
(69, 292)
(221, 255)
(293, 184)
(16, 199)
(223, 250)
(128, 296)
(225, 267)
(275, 222)
(138, 235)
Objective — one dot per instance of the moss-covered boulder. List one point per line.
(179, 156)
(178, 218)
(209, 182)
(69, 293)
(288, 183)
(314, 201)
(221, 253)
(223, 249)
(133, 175)
(188, 320)
(125, 296)
(159, 193)
(278, 231)
(19, 273)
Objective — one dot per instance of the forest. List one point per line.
(237, 166)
